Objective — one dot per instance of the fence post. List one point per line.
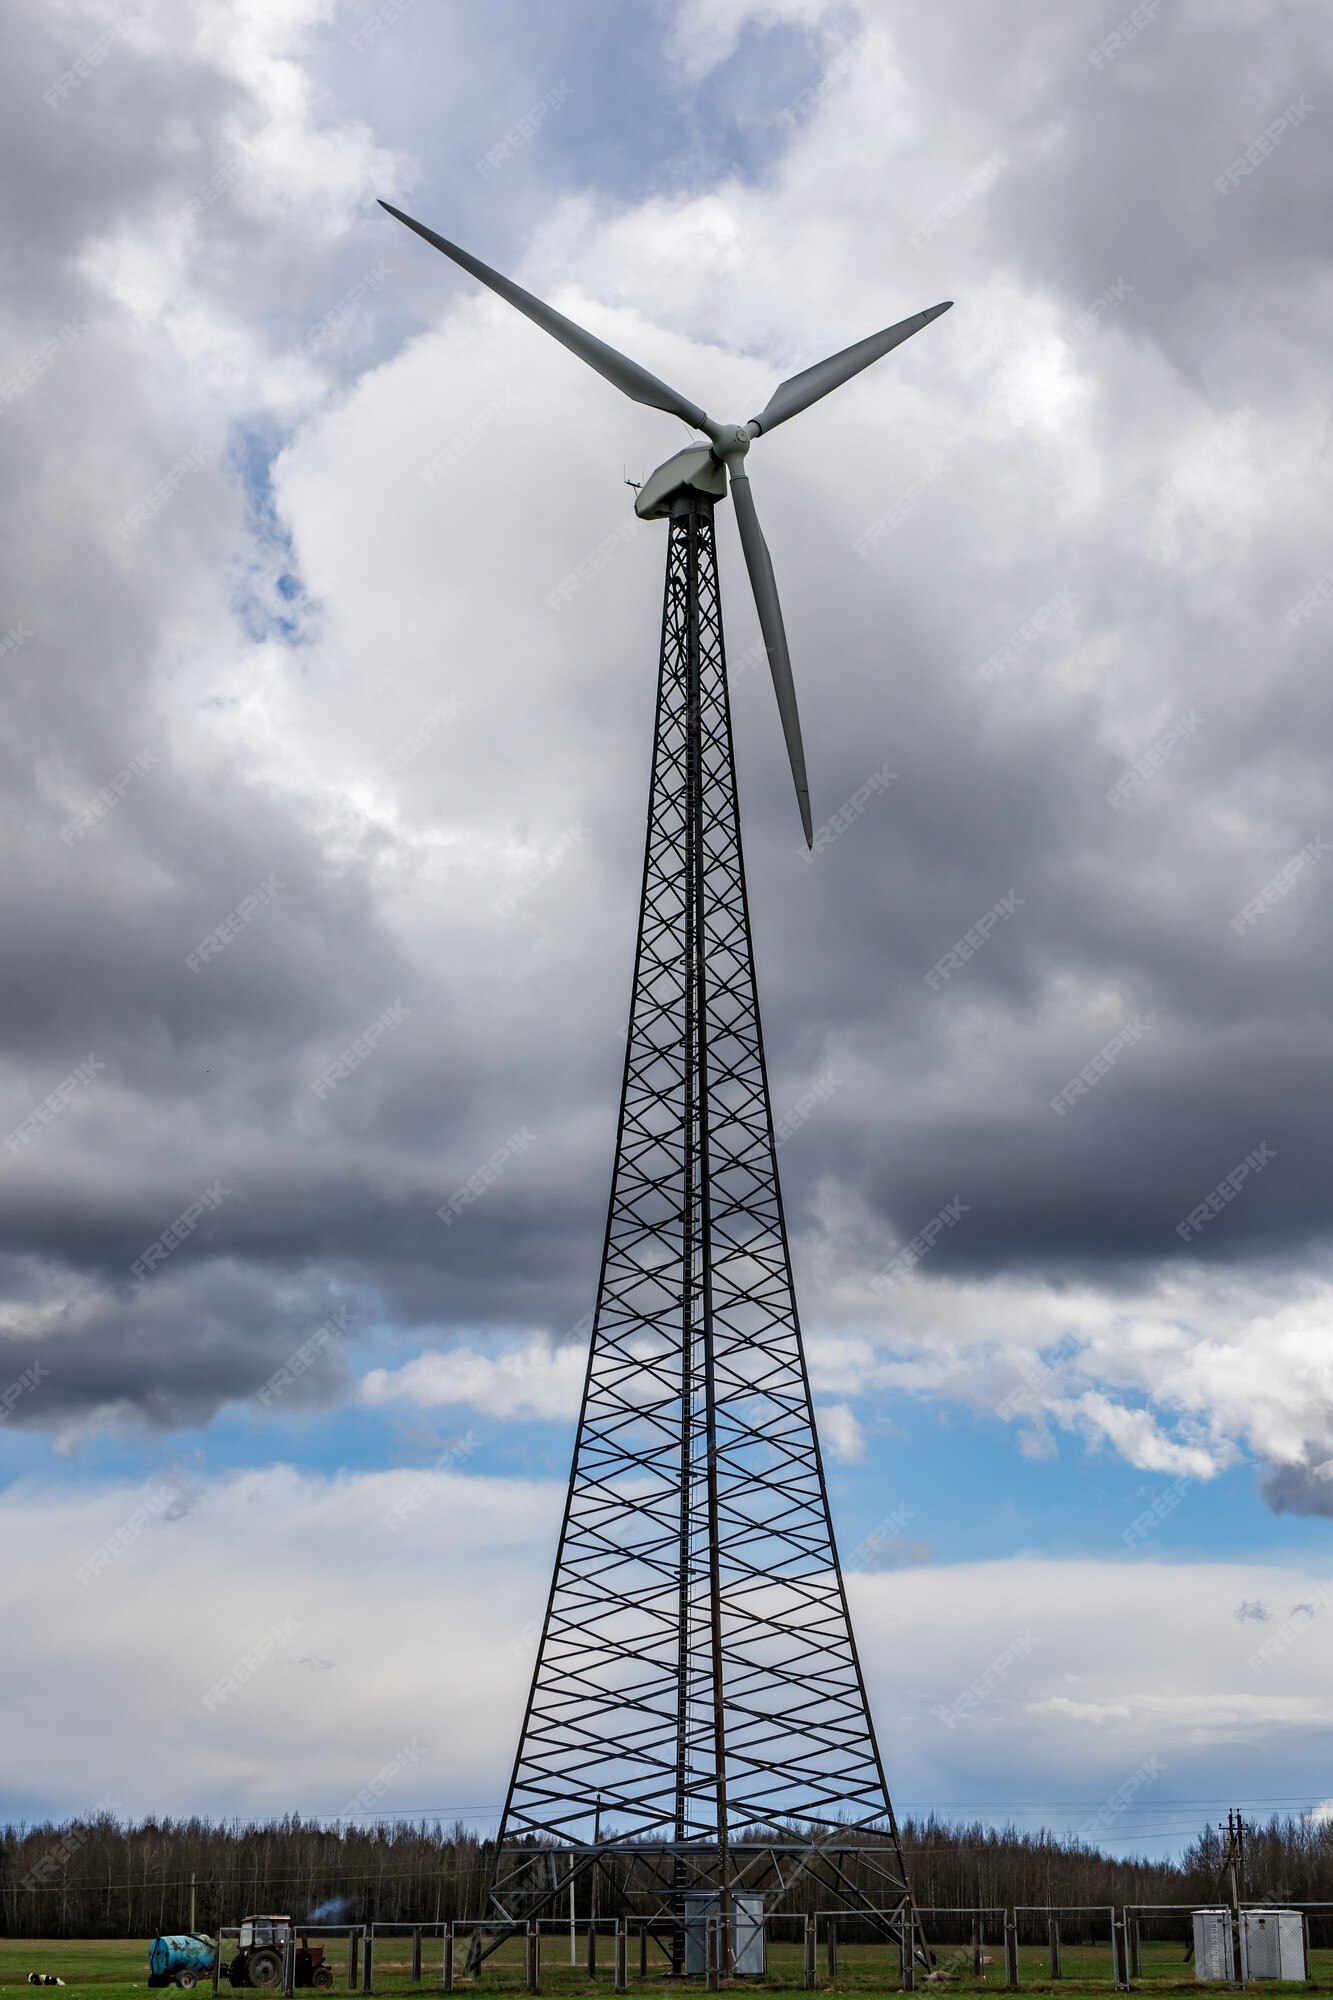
(353, 1953)
(978, 1946)
(592, 1951)
(447, 1970)
(217, 1964)
(532, 1960)
(1056, 1966)
(907, 1954)
(367, 1958)
(622, 1956)
(416, 1954)
(1134, 1934)
(643, 1951)
(811, 1956)
(831, 1949)
(713, 1952)
(1305, 1946)
(1119, 1955)
(1011, 1951)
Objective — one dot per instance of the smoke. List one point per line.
(332, 1912)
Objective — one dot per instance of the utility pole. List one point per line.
(1233, 1868)
(193, 1925)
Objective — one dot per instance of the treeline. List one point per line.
(102, 1878)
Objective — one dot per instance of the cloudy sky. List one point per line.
(309, 738)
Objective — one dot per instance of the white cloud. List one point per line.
(538, 1380)
(840, 1432)
(1124, 1660)
(1177, 1373)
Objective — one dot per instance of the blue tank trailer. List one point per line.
(187, 1957)
(180, 1961)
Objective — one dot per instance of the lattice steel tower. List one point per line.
(697, 1728)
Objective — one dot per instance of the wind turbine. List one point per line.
(714, 467)
(697, 1735)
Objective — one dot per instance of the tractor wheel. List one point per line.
(264, 1968)
(322, 1976)
(187, 1976)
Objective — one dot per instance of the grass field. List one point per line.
(116, 1969)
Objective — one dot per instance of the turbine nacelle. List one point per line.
(706, 468)
(698, 467)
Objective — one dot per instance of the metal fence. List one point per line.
(1039, 1947)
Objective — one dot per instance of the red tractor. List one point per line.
(262, 1948)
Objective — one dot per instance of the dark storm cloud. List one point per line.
(1036, 611)
(1301, 1489)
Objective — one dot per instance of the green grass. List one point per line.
(117, 1969)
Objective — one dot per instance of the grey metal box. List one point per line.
(1272, 1944)
(1213, 1958)
(747, 1935)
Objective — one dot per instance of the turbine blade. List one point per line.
(760, 565)
(799, 391)
(627, 375)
